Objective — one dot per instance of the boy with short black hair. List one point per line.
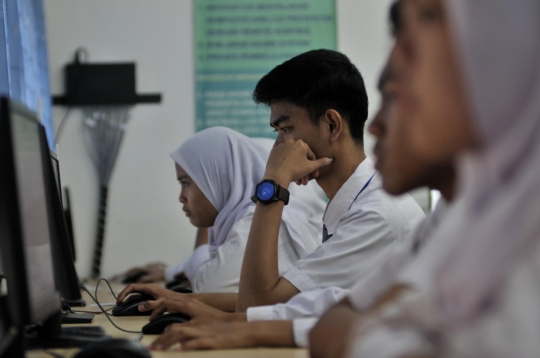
(318, 106)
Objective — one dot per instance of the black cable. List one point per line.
(76, 60)
(108, 284)
(103, 310)
(60, 130)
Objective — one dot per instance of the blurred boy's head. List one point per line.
(401, 168)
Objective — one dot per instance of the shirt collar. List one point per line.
(345, 196)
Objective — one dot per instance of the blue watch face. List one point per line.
(265, 191)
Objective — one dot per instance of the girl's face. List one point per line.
(431, 94)
(198, 209)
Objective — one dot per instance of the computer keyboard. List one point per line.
(95, 331)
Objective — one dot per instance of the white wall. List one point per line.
(145, 222)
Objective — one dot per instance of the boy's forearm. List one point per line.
(260, 272)
(222, 301)
(260, 283)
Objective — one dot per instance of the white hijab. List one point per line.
(498, 44)
(226, 166)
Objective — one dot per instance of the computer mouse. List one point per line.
(181, 289)
(158, 325)
(176, 282)
(134, 277)
(114, 348)
(129, 306)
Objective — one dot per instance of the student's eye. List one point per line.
(184, 183)
(285, 130)
(275, 129)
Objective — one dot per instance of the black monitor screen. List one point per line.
(25, 208)
(56, 170)
(67, 281)
(33, 210)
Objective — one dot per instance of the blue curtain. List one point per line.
(24, 72)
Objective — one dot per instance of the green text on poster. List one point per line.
(239, 41)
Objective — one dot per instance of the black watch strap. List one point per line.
(282, 194)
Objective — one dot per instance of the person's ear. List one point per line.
(334, 122)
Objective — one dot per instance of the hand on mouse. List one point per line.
(199, 312)
(154, 272)
(155, 291)
(227, 335)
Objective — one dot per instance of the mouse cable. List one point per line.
(106, 313)
(110, 289)
(108, 284)
(81, 286)
(96, 293)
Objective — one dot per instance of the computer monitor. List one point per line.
(67, 281)
(66, 200)
(25, 223)
(26, 228)
(56, 172)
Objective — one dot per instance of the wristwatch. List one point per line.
(268, 191)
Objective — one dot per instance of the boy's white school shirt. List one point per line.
(365, 226)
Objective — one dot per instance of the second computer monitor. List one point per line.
(67, 281)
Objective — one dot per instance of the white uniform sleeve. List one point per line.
(261, 313)
(304, 304)
(403, 266)
(361, 243)
(198, 258)
(222, 272)
(301, 328)
(364, 294)
(172, 271)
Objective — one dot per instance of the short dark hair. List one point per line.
(396, 23)
(318, 80)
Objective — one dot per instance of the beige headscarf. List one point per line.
(226, 166)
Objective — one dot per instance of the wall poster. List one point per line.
(239, 41)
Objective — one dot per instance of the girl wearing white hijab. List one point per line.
(483, 296)
(218, 169)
